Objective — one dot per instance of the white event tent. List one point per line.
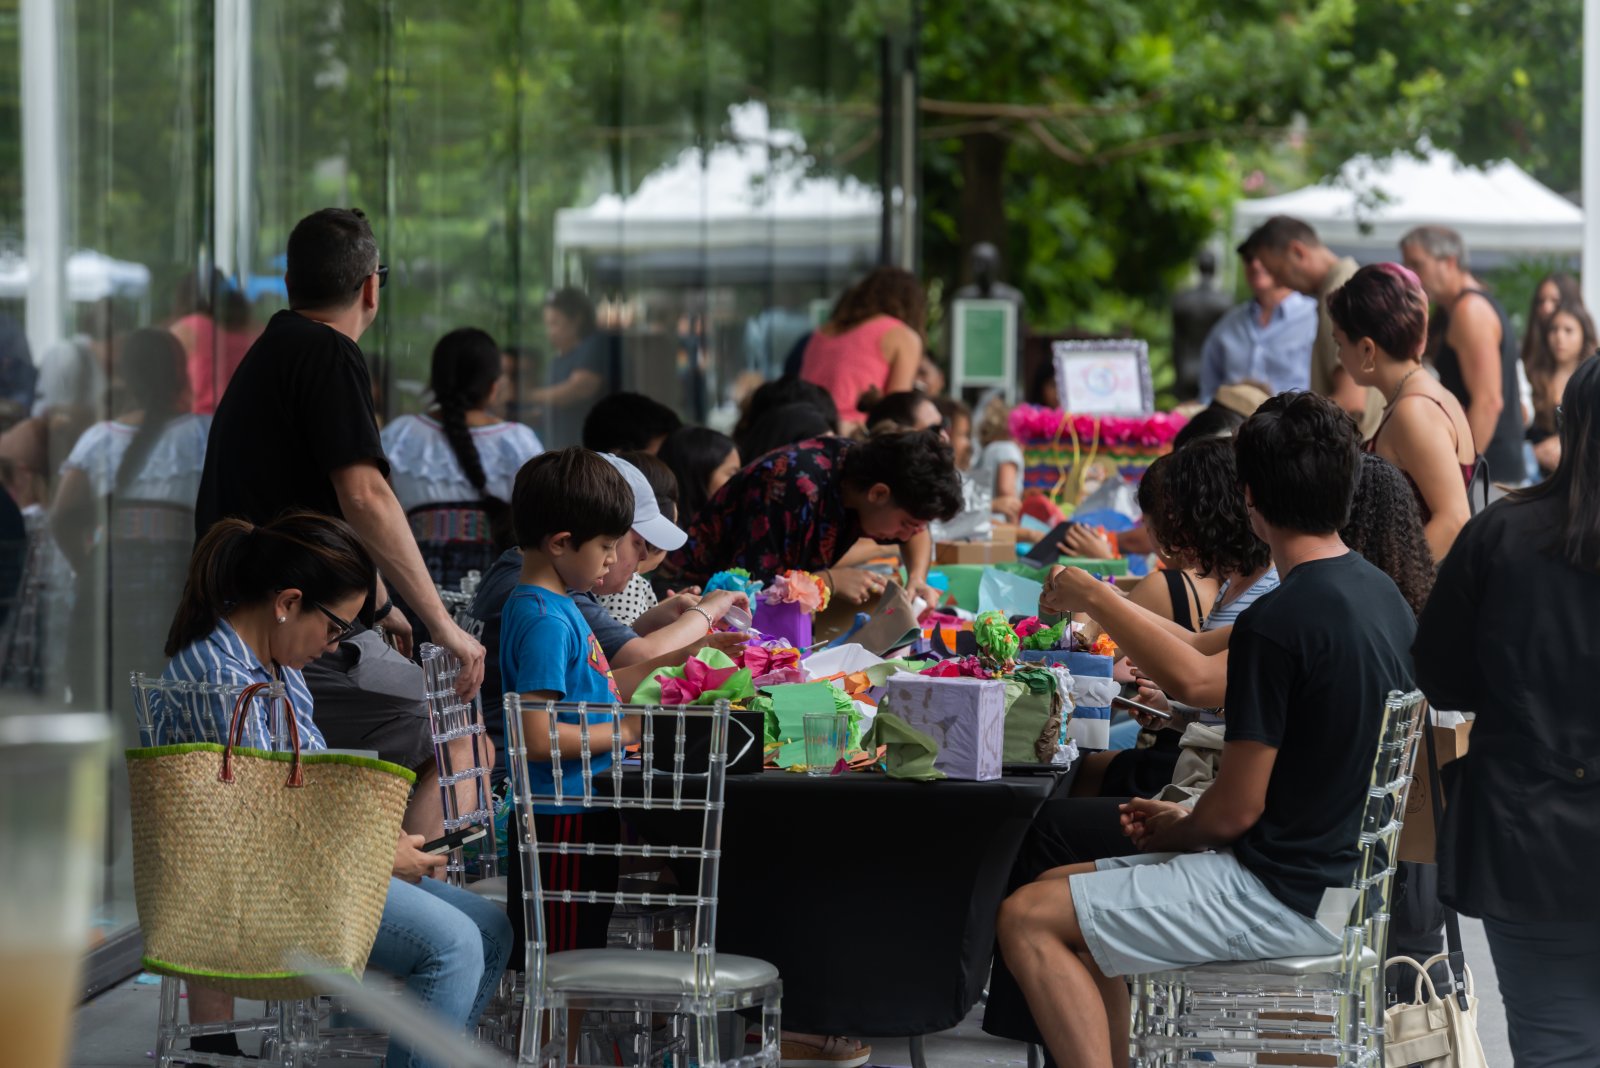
(749, 199)
(1500, 210)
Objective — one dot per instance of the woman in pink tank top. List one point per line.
(873, 342)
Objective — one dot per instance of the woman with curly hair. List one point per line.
(872, 345)
(1386, 528)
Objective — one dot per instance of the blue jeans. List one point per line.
(450, 947)
(1550, 987)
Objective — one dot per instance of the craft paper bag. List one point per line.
(965, 716)
(1417, 837)
(787, 620)
(1092, 691)
(1011, 595)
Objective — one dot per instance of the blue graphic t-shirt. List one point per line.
(545, 645)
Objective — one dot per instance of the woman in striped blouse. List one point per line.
(260, 604)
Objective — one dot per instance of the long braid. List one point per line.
(153, 364)
(466, 365)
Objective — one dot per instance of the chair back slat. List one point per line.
(450, 720)
(624, 786)
(176, 712)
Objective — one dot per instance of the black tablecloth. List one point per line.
(875, 898)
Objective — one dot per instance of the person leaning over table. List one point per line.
(262, 602)
(1521, 845)
(806, 506)
(1243, 875)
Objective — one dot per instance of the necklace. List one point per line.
(1401, 385)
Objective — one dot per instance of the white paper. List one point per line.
(846, 658)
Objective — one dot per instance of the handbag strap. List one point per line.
(236, 734)
(1456, 959)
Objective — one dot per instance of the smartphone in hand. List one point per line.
(454, 840)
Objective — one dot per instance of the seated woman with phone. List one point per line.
(261, 602)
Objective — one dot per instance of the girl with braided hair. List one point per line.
(453, 466)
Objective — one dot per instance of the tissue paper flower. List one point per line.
(735, 580)
(996, 640)
(965, 667)
(698, 677)
(797, 587)
(1031, 423)
(772, 663)
(1041, 637)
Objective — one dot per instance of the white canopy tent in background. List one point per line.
(90, 276)
(750, 195)
(1500, 210)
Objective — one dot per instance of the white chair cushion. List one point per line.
(648, 972)
(490, 889)
(1294, 966)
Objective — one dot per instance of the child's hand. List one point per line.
(1085, 542)
(716, 604)
(679, 603)
(631, 729)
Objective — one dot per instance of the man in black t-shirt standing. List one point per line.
(1241, 876)
(296, 427)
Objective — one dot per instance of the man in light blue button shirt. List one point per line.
(1266, 339)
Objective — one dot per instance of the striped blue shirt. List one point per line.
(1225, 615)
(222, 657)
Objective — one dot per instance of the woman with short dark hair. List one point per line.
(1380, 322)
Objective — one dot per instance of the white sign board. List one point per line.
(1109, 377)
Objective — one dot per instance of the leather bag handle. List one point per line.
(236, 734)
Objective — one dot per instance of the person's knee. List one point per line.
(1022, 914)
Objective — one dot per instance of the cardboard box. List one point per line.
(975, 552)
(1418, 840)
(967, 717)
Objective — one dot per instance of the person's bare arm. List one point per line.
(369, 505)
(902, 351)
(1475, 335)
(578, 387)
(72, 517)
(1419, 435)
(691, 625)
(569, 736)
(1190, 667)
(1153, 595)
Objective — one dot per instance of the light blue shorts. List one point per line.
(1157, 911)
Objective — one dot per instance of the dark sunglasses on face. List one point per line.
(383, 277)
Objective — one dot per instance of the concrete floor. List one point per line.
(117, 1029)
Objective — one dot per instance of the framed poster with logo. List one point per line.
(1106, 377)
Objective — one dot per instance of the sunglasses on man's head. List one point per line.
(383, 277)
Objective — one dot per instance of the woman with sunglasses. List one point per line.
(260, 603)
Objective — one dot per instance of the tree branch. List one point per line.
(976, 109)
(1053, 146)
(962, 129)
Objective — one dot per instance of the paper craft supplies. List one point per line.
(966, 717)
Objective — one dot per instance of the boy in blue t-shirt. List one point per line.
(571, 508)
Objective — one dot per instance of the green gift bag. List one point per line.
(1036, 715)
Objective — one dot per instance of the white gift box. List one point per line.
(967, 717)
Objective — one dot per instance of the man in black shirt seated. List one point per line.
(1242, 875)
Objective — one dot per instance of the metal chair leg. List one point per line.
(1035, 1056)
(919, 1052)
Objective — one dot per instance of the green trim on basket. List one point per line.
(371, 763)
(155, 964)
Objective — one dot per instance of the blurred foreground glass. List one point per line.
(826, 736)
(52, 815)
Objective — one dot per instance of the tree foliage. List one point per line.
(1116, 134)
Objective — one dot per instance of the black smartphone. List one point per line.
(454, 840)
(1123, 702)
(1046, 552)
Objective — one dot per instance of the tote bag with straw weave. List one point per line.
(244, 860)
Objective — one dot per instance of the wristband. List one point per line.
(383, 611)
(711, 624)
(827, 575)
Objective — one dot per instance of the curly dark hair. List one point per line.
(1385, 526)
(886, 291)
(1195, 509)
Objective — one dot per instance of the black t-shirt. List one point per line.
(298, 408)
(1309, 666)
